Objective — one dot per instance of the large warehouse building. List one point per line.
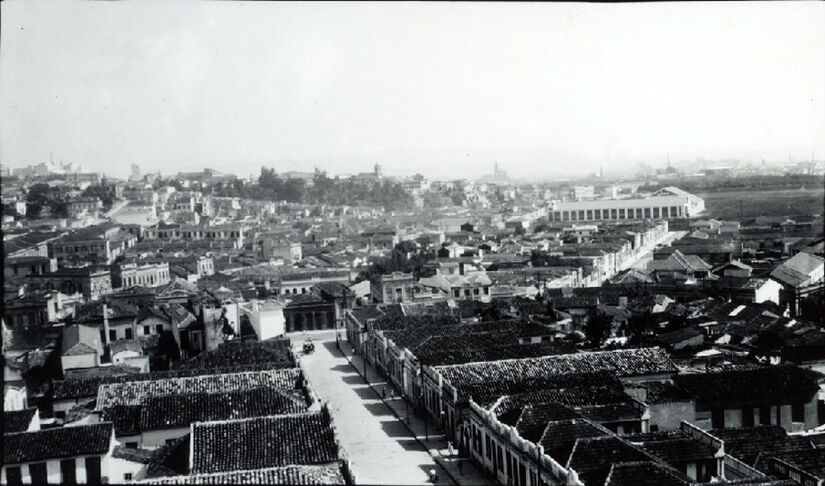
(668, 202)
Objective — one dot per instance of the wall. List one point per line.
(668, 416)
(152, 439)
(80, 361)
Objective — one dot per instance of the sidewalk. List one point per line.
(460, 469)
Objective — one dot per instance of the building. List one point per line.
(309, 312)
(81, 347)
(89, 281)
(393, 288)
(270, 246)
(86, 205)
(144, 275)
(798, 275)
(779, 395)
(62, 455)
(583, 192)
(99, 244)
(28, 265)
(666, 203)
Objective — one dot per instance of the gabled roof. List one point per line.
(756, 383)
(798, 269)
(17, 420)
(80, 339)
(286, 475)
(263, 442)
(56, 443)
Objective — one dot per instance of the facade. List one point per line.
(309, 312)
(271, 246)
(144, 275)
(103, 248)
(63, 455)
(666, 203)
(91, 282)
(394, 288)
(22, 266)
(91, 206)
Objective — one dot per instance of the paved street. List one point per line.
(381, 449)
(645, 258)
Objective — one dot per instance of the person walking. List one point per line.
(384, 392)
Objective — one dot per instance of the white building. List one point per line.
(668, 202)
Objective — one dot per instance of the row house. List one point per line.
(89, 281)
(393, 288)
(62, 455)
(88, 205)
(144, 275)
(440, 383)
(103, 247)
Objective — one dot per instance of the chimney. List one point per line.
(106, 323)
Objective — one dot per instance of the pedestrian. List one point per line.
(384, 392)
(460, 467)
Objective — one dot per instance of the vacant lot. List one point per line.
(739, 205)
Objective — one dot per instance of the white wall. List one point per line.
(152, 439)
(89, 360)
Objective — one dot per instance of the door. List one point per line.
(38, 473)
(93, 470)
(68, 471)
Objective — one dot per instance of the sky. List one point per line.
(444, 89)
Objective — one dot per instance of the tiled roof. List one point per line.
(275, 352)
(559, 437)
(644, 473)
(126, 418)
(173, 411)
(134, 392)
(581, 399)
(809, 461)
(17, 420)
(487, 392)
(55, 443)
(748, 444)
(674, 446)
(263, 442)
(291, 475)
(534, 418)
(593, 457)
(133, 454)
(624, 363)
(749, 384)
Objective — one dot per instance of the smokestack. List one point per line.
(106, 323)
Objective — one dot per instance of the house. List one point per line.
(780, 395)
(734, 268)
(306, 312)
(129, 353)
(796, 274)
(81, 347)
(231, 445)
(680, 264)
(62, 455)
(284, 475)
(688, 337)
(759, 290)
(393, 288)
(25, 420)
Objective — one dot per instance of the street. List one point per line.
(380, 448)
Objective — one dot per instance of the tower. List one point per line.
(377, 170)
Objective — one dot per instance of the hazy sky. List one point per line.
(445, 89)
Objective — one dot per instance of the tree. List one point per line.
(598, 328)
(640, 324)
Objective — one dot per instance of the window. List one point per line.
(500, 459)
(147, 330)
(112, 334)
(159, 328)
(487, 446)
(93, 470)
(717, 418)
(128, 333)
(127, 476)
(13, 476)
(747, 416)
(67, 471)
(798, 412)
(38, 473)
(765, 415)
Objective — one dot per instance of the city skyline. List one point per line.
(440, 89)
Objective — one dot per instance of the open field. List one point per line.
(738, 205)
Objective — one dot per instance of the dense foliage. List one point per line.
(598, 327)
(104, 192)
(322, 190)
(42, 196)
